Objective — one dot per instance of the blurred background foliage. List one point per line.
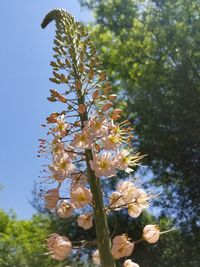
(151, 52)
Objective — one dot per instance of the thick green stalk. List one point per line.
(102, 230)
(100, 217)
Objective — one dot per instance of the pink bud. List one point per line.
(81, 109)
(107, 106)
(95, 95)
(112, 96)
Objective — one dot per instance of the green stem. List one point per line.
(101, 223)
(100, 217)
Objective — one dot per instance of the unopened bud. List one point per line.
(107, 106)
(81, 109)
(117, 111)
(151, 233)
(78, 85)
(112, 97)
(102, 76)
(95, 95)
(130, 263)
(85, 221)
(91, 74)
(62, 99)
(51, 197)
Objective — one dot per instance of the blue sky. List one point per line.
(25, 53)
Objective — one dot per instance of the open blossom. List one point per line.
(59, 246)
(130, 263)
(125, 160)
(61, 127)
(151, 233)
(57, 146)
(142, 199)
(51, 198)
(65, 209)
(121, 247)
(140, 203)
(128, 191)
(82, 140)
(85, 221)
(103, 165)
(61, 167)
(80, 196)
(79, 178)
(111, 142)
(134, 210)
(96, 257)
(116, 201)
(97, 127)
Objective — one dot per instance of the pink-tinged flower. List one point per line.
(80, 196)
(96, 257)
(85, 221)
(151, 233)
(61, 167)
(51, 198)
(57, 146)
(142, 199)
(121, 247)
(103, 165)
(129, 263)
(140, 202)
(79, 178)
(125, 160)
(134, 210)
(59, 246)
(116, 201)
(97, 127)
(111, 142)
(61, 127)
(82, 140)
(128, 191)
(65, 209)
(69, 150)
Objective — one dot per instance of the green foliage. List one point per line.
(23, 242)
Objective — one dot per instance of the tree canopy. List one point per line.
(151, 49)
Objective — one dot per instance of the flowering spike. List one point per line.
(87, 145)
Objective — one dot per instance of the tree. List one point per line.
(151, 49)
(23, 242)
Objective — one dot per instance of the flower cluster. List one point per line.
(87, 143)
